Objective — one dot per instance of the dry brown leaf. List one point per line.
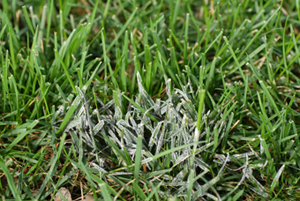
(88, 198)
(65, 192)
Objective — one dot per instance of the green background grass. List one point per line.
(137, 100)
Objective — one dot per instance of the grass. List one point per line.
(150, 100)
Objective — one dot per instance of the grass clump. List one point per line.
(149, 100)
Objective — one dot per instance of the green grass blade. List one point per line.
(10, 181)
